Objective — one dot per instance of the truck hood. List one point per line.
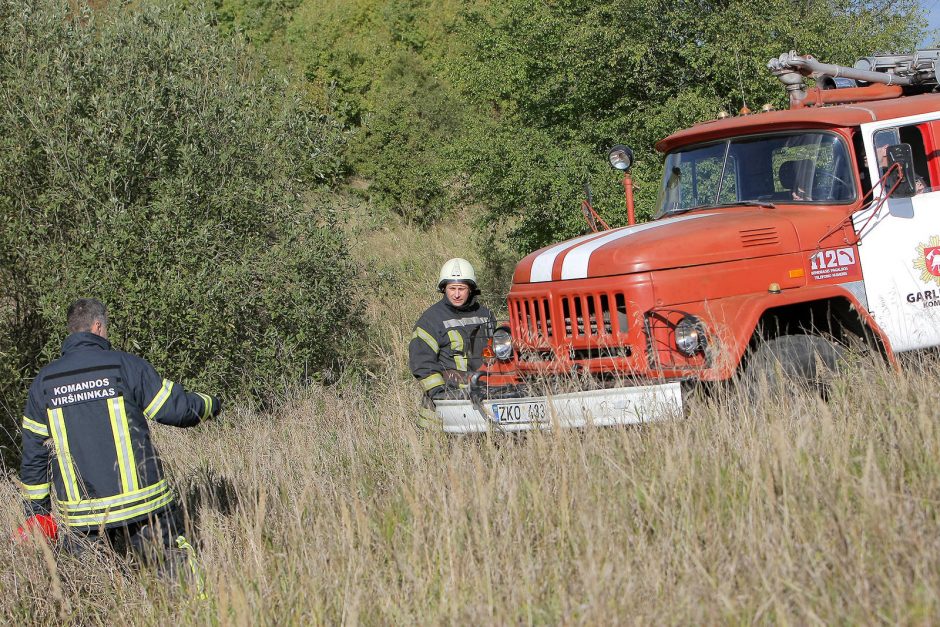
(682, 241)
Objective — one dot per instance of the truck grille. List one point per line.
(598, 318)
(531, 319)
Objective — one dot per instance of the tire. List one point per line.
(788, 363)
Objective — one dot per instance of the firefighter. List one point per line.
(449, 337)
(86, 435)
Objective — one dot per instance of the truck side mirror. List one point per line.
(902, 155)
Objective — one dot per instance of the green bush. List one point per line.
(379, 62)
(148, 162)
(405, 149)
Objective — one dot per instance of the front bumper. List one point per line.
(612, 406)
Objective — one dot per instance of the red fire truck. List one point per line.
(778, 237)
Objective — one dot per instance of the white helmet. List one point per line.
(455, 270)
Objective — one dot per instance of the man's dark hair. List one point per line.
(83, 313)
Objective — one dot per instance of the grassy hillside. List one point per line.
(334, 508)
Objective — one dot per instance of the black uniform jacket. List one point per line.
(448, 339)
(85, 432)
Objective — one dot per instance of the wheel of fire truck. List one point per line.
(783, 366)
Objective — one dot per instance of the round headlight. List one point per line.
(690, 336)
(620, 157)
(502, 344)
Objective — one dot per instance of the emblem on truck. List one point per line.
(928, 260)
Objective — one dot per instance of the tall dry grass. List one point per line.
(334, 508)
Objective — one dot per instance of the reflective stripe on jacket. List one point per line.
(447, 338)
(93, 405)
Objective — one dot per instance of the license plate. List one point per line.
(518, 413)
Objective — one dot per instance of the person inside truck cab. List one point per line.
(798, 193)
(795, 176)
(447, 344)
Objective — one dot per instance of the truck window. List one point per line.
(914, 137)
(931, 133)
(811, 166)
(694, 178)
(881, 140)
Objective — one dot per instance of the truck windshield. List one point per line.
(804, 167)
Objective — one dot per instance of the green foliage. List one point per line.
(402, 150)
(561, 82)
(378, 61)
(146, 161)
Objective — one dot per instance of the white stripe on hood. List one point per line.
(542, 265)
(575, 265)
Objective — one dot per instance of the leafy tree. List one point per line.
(149, 162)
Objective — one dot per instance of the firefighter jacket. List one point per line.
(94, 404)
(448, 339)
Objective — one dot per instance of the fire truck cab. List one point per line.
(783, 235)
